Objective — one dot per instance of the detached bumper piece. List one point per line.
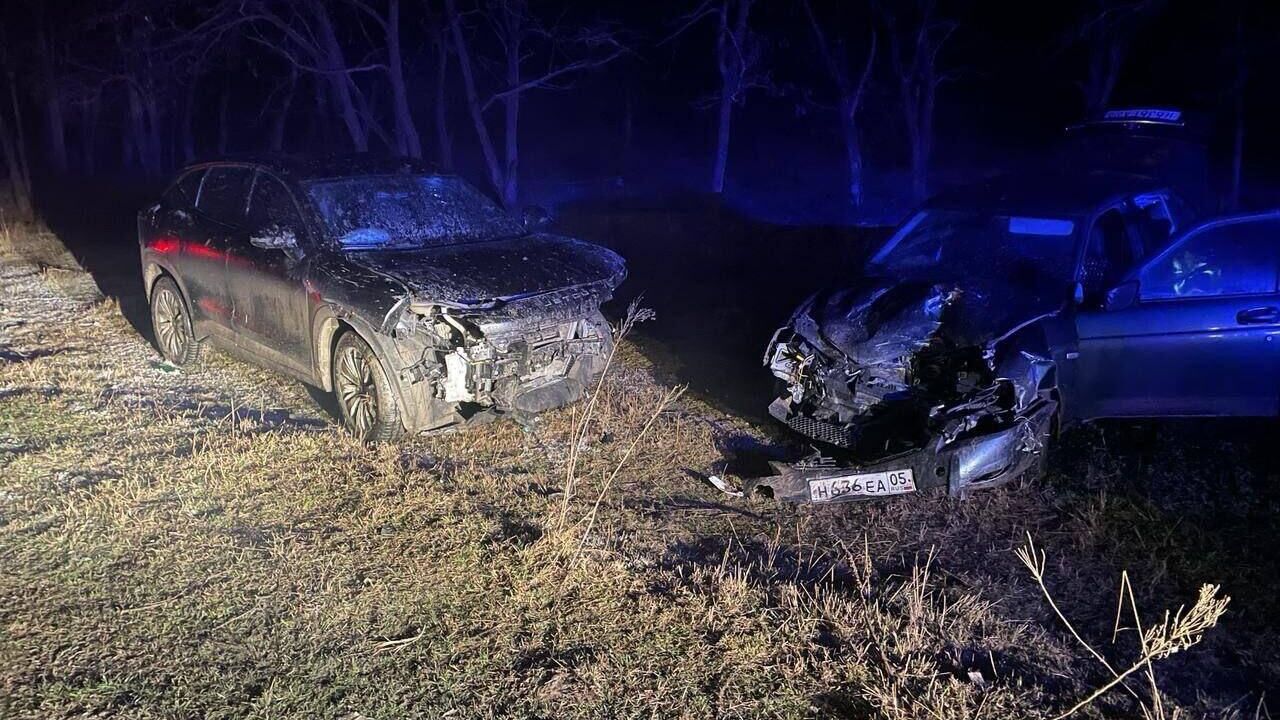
(970, 462)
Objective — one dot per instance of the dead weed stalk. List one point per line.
(1178, 631)
(671, 396)
(635, 315)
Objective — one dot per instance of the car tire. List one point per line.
(366, 400)
(171, 324)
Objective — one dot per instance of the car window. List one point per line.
(183, 193)
(1109, 253)
(224, 193)
(1154, 221)
(371, 212)
(1236, 258)
(271, 205)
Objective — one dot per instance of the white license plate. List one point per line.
(892, 482)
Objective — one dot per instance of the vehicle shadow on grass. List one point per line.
(97, 225)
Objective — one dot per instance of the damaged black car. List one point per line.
(407, 293)
(955, 358)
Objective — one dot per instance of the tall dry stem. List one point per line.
(670, 397)
(1179, 631)
(635, 315)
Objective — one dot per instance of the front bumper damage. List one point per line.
(961, 466)
(521, 358)
(900, 395)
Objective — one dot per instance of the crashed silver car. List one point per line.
(407, 293)
(949, 362)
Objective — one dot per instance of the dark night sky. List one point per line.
(1012, 86)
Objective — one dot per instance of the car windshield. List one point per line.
(936, 244)
(408, 211)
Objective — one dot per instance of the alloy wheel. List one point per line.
(170, 320)
(356, 390)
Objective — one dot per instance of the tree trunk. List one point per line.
(511, 104)
(188, 122)
(11, 141)
(339, 81)
(444, 143)
(140, 134)
(722, 143)
(224, 131)
(1106, 58)
(473, 99)
(628, 134)
(55, 129)
(1237, 156)
(1237, 140)
(322, 131)
(407, 140)
(852, 150)
(155, 135)
(923, 157)
(89, 136)
(281, 119)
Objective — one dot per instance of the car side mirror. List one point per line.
(535, 217)
(274, 237)
(1121, 296)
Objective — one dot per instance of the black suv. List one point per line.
(408, 293)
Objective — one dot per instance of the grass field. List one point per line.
(206, 543)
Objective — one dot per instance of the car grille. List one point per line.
(829, 433)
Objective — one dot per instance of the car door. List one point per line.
(266, 276)
(220, 210)
(1200, 337)
(165, 227)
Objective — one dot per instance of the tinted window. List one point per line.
(1109, 254)
(1238, 258)
(272, 205)
(224, 193)
(1154, 222)
(183, 193)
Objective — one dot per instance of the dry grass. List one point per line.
(207, 544)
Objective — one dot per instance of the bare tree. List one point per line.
(916, 37)
(850, 85)
(1241, 71)
(438, 26)
(739, 59)
(55, 129)
(145, 75)
(13, 143)
(1105, 29)
(304, 34)
(406, 140)
(522, 37)
(280, 120)
(141, 70)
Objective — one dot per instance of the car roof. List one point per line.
(1074, 194)
(295, 168)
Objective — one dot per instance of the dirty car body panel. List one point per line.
(954, 357)
(468, 312)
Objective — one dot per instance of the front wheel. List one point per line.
(171, 323)
(365, 398)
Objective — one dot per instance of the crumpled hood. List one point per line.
(485, 273)
(881, 320)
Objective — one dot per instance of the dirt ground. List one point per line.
(206, 543)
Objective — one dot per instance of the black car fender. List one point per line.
(419, 410)
(154, 269)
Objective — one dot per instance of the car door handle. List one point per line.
(1258, 315)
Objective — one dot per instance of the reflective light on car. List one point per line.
(1041, 226)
